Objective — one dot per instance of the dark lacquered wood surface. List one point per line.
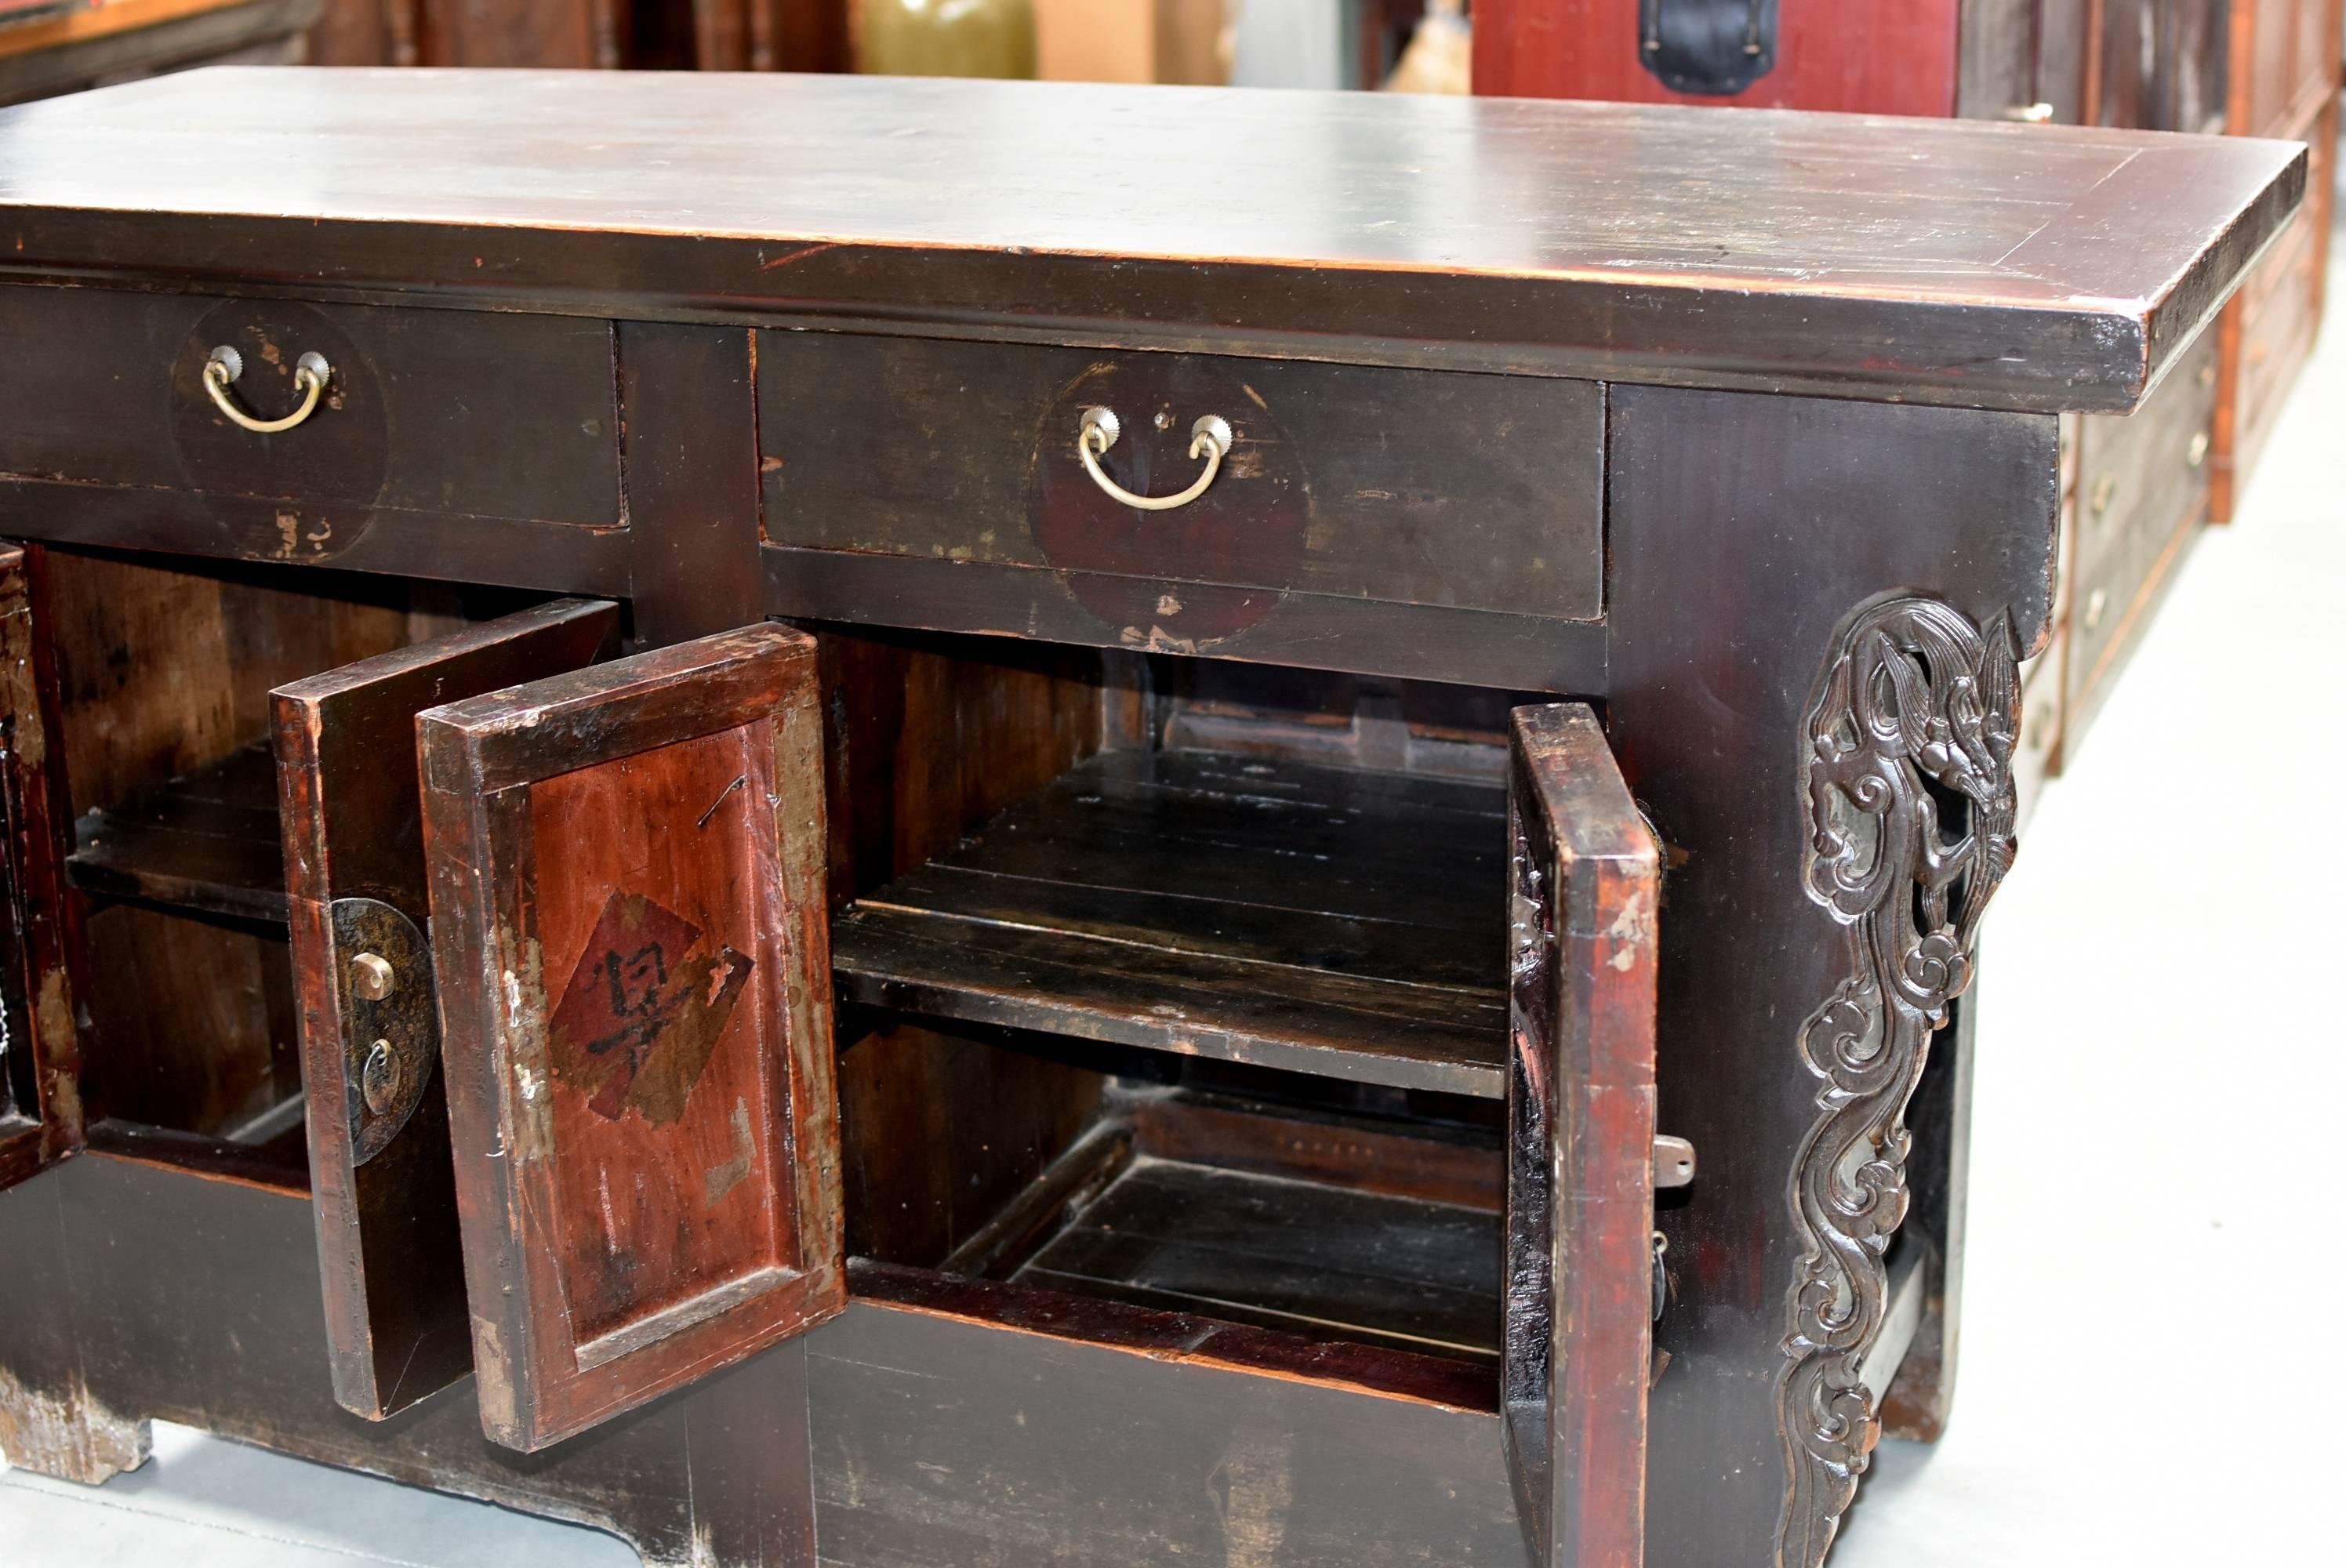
(1997, 265)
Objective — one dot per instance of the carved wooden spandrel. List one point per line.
(1911, 807)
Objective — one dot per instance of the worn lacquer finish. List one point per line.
(1986, 264)
(1584, 903)
(352, 822)
(1918, 706)
(40, 1091)
(629, 927)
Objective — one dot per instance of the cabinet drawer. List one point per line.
(2142, 470)
(2113, 597)
(2037, 755)
(449, 414)
(2276, 335)
(1417, 487)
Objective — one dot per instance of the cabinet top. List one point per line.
(1995, 265)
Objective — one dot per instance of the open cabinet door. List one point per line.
(628, 899)
(380, 1168)
(40, 1097)
(1583, 891)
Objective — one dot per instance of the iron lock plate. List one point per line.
(391, 1021)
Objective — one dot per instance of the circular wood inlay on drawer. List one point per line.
(301, 494)
(1188, 578)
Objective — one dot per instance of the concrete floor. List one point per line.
(2159, 1075)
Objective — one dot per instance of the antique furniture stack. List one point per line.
(2135, 491)
(606, 35)
(71, 48)
(944, 822)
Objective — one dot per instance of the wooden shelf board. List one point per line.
(1307, 918)
(207, 842)
(1310, 1257)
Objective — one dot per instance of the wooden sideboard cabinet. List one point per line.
(886, 822)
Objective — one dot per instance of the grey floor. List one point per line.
(2161, 1070)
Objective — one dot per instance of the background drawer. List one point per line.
(1421, 487)
(2276, 336)
(2142, 470)
(443, 412)
(2114, 597)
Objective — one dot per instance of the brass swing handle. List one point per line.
(1209, 437)
(310, 374)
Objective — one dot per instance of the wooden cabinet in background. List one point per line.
(67, 51)
(707, 35)
(2138, 486)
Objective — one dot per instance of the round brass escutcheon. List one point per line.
(378, 1078)
(371, 978)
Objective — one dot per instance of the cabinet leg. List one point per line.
(1911, 812)
(1812, 612)
(69, 1435)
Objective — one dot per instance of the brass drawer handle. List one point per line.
(1209, 436)
(310, 374)
(2196, 453)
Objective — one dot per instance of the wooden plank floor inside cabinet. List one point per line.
(1306, 1256)
(1314, 919)
(1330, 1227)
(206, 840)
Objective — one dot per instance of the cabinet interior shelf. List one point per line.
(1327, 1230)
(207, 842)
(1330, 920)
(1314, 919)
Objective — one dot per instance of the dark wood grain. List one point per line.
(1720, 637)
(691, 446)
(445, 546)
(1584, 895)
(1898, 60)
(1965, 262)
(195, 1027)
(40, 940)
(2145, 484)
(1321, 1260)
(162, 672)
(1212, 1437)
(1404, 1159)
(627, 871)
(1322, 631)
(943, 1438)
(201, 1305)
(345, 786)
(206, 840)
(1407, 486)
(1292, 915)
(62, 52)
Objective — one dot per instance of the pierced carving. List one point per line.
(1911, 810)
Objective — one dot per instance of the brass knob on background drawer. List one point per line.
(2106, 489)
(1098, 430)
(2196, 453)
(310, 374)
